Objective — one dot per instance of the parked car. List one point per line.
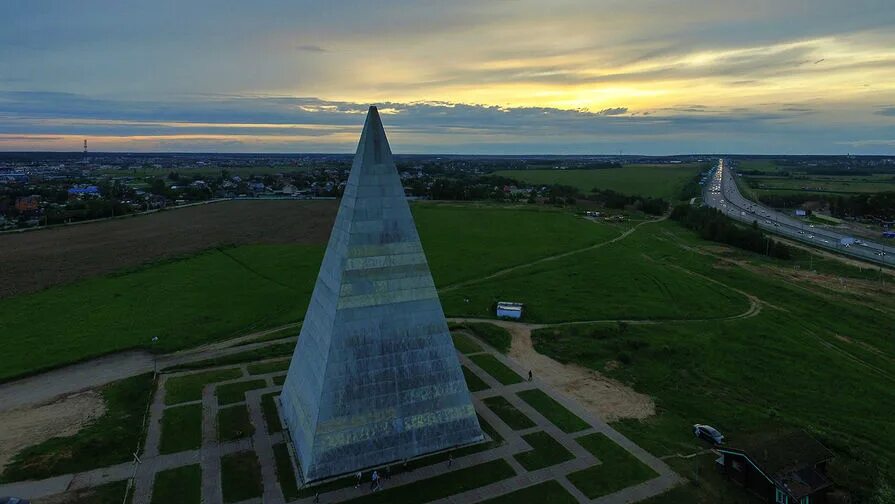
(708, 433)
(13, 500)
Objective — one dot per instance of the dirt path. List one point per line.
(607, 398)
(555, 257)
(24, 427)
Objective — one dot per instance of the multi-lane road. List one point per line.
(721, 192)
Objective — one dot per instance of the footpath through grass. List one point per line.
(274, 350)
(181, 485)
(548, 492)
(108, 440)
(618, 469)
(189, 387)
(268, 367)
(494, 335)
(450, 483)
(553, 411)
(511, 416)
(181, 428)
(545, 452)
(495, 368)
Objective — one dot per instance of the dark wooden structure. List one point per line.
(784, 468)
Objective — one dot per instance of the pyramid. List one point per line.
(374, 378)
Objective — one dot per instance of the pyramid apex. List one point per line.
(373, 146)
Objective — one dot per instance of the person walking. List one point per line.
(374, 481)
(357, 479)
(529, 375)
(450, 459)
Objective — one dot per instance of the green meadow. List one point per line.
(658, 181)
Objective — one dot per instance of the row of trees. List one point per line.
(612, 199)
(712, 225)
(859, 206)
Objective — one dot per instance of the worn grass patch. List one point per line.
(473, 382)
(545, 452)
(495, 368)
(181, 429)
(465, 344)
(511, 416)
(450, 483)
(285, 473)
(268, 367)
(618, 468)
(553, 411)
(271, 415)
(548, 492)
(189, 387)
(241, 476)
(181, 485)
(234, 423)
(109, 440)
(236, 392)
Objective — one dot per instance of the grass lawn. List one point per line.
(553, 411)
(618, 468)
(444, 485)
(211, 296)
(545, 452)
(495, 368)
(494, 335)
(181, 428)
(473, 382)
(108, 440)
(548, 492)
(241, 476)
(271, 416)
(285, 332)
(511, 416)
(234, 423)
(189, 387)
(181, 485)
(285, 473)
(236, 392)
(465, 344)
(279, 380)
(274, 350)
(268, 367)
(659, 181)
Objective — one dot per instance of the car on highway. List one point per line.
(709, 433)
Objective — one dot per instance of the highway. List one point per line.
(721, 192)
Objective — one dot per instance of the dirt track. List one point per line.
(35, 260)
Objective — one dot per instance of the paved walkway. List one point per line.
(208, 456)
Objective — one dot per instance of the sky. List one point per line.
(461, 76)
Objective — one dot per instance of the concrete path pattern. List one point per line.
(261, 442)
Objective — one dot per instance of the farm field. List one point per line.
(36, 260)
(658, 181)
(228, 291)
(822, 184)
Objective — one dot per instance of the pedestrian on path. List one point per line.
(316, 497)
(529, 375)
(374, 481)
(357, 479)
(450, 459)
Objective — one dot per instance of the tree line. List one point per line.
(712, 225)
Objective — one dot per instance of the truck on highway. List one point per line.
(846, 241)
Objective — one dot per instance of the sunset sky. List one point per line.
(480, 77)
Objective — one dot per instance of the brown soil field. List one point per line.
(36, 260)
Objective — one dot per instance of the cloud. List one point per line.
(888, 111)
(613, 111)
(311, 48)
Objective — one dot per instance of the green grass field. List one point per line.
(181, 429)
(269, 367)
(548, 492)
(285, 473)
(182, 485)
(236, 392)
(553, 411)
(189, 387)
(821, 184)
(241, 476)
(234, 423)
(495, 368)
(618, 469)
(496, 336)
(658, 181)
(545, 452)
(473, 382)
(511, 416)
(271, 416)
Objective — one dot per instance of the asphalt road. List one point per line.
(721, 192)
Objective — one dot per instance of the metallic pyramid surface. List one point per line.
(374, 378)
